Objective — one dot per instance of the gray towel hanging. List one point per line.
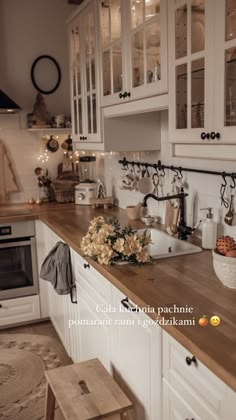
(57, 269)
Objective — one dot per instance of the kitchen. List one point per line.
(169, 108)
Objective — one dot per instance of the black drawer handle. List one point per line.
(215, 135)
(121, 95)
(125, 302)
(86, 266)
(190, 360)
(205, 135)
(83, 138)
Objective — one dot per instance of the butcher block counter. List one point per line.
(183, 280)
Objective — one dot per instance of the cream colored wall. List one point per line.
(29, 29)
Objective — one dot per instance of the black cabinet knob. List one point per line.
(217, 135)
(190, 360)
(86, 266)
(125, 95)
(208, 135)
(203, 135)
(85, 138)
(213, 135)
(81, 138)
(121, 95)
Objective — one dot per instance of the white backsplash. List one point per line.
(203, 190)
(24, 148)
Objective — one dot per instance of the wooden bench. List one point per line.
(85, 391)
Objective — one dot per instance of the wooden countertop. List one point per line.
(186, 280)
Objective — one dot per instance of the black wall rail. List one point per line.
(159, 166)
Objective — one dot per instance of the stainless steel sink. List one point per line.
(164, 246)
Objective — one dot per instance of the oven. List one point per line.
(18, 260)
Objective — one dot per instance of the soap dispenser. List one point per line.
(209, 230)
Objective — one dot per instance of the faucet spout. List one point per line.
(184, 230)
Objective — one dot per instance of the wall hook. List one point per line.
(234, 183)
(222, 191)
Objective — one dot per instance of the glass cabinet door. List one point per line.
(111, 47)
(90, 71)
(190, 65)
(147, 40)
(76, 80)
(225, 120)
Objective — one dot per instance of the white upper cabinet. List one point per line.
(225, 70)
(84, 74)
(191, 65)
(133, 50)
(202, 76)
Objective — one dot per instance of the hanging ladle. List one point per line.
(229, 217)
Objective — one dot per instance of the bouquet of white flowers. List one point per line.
(107, 243)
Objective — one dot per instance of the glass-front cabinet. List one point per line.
(190, 68)
(202, 74)
(84, 76)
(225, 115)
(133, 36)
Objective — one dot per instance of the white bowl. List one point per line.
(225, 269)
(148, 220)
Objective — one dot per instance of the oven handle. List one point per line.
(15, 244)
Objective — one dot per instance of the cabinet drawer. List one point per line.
(194, 382)
(175, 407)
(84, 271)
(14, 311)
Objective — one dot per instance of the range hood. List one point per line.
(7, 106)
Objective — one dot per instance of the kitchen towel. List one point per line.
(57, 269)
(8, 182)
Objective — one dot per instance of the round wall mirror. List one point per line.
(45, 74)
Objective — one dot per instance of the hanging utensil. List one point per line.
(229, 217)
(222, 192)
(155, 180)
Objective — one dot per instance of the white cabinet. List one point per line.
(133, 36)
(57, 303)
(136, 358)
(15, 311)
(41, 254)
(190, 389)
(94, 328)
(84, 74)
(202, 82)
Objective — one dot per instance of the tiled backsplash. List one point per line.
(203, 190)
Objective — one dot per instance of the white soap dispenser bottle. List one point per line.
(209, 230)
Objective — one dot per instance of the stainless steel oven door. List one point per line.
(18, 268)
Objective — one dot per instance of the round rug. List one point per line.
(23, 360)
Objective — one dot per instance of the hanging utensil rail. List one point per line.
(159, 165)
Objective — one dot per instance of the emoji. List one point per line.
(215, 321)
(203, 321)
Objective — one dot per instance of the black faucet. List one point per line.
(183, 229)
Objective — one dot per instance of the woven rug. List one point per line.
(23, 360)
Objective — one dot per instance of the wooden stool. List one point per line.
(84, 391)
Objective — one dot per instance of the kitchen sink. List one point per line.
(164, 246)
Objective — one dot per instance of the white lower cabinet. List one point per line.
(191, 389)
(136, 361)
(15, 311)
(148, 364)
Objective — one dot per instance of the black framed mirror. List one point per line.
(46, 74)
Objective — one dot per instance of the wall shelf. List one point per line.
(51, 130)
